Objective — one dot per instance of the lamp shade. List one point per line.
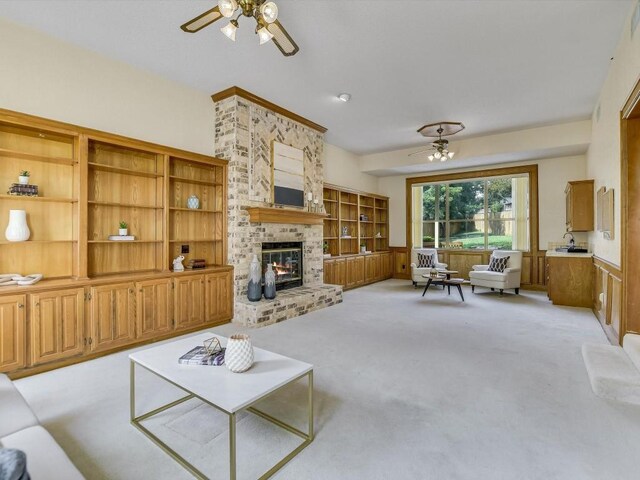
(269, 12)
(230, 30)
(264, 35)
(227, 7)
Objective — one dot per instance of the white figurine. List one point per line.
(177, 264)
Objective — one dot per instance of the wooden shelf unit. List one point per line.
(99, 295)
(52, 159)
(363, 214)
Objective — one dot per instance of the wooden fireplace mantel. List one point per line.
(284, 215)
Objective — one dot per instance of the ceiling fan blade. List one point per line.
(201, 21)
(282, 39)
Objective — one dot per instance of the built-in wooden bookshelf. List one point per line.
(363, 216)
(98, 294)
(202, 230)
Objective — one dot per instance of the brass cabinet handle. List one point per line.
(20, 305)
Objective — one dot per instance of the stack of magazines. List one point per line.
(201, 356)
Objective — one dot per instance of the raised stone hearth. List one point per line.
(244, 132)
(288, 304)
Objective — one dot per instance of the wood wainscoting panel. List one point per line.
(464, 261)
(526, 269)
(607, 298)
(401, 263)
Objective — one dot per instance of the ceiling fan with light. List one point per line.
(439, 149)
(265, 14)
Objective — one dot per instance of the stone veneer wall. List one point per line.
(243, 135)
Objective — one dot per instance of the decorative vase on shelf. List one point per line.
(269, 283)
(193, 202)
(238, 357)
(17, 229)
(254, 289)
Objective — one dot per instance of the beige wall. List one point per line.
(49, 78)
(553, 175)
(343, 168)
(603, 156)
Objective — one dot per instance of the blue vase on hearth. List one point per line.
(269, 283)
(254, 289)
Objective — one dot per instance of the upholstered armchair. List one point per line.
(510, 278)
(416, 273)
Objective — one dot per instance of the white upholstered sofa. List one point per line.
(20, 429)
(416, 273)
(480, 276)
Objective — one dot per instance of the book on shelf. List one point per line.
(122, 238)
(196, 263)
(201, 356)
(19, 189)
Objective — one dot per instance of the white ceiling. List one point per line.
(495, 65)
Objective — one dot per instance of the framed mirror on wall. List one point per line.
(604, 212)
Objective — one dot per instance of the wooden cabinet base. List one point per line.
(91, 356)
(352, 271)
(49, 327)
(570, 281)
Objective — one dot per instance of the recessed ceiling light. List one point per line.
(345, 97)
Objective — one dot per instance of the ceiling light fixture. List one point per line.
(265, 13)
(439, 148)
(345, 97)
(227, 7)
(230, 29)
(263, 34)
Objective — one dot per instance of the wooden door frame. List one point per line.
(631, 110)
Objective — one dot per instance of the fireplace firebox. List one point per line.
(286, 260)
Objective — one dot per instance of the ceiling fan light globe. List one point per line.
(264, 35)
(437, 155)
(227, 7)
(451, 154)
(269, 12)
(230, 31)
(431, 158)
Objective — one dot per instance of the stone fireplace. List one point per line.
(245, 128)
(286, 260)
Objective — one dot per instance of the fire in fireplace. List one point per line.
(286, 260)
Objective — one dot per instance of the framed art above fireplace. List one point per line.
(287, 175)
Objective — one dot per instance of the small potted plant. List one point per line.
(123, 228)
(23, 178)
(363, 248)
(325, 247)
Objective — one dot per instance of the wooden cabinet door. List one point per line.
(56, 325)
(352, 278)
(340, 273)
(112, 316)
(189, 301)
(358, 273)
(219, 296)
(372, 268)
(12, 333)
(329, 271)
(387, 265)
(154, 308)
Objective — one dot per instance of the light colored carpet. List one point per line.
(406, 387)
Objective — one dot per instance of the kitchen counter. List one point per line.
(553, 253)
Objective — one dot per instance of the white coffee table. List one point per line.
(223, 390)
